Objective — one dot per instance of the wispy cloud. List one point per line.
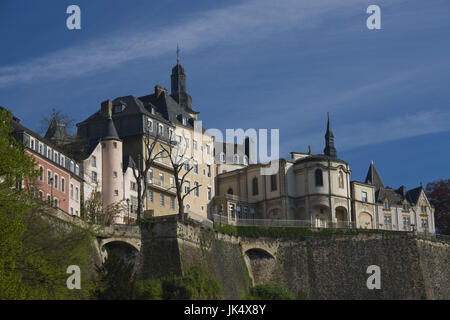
(231, 24)
(363, 133)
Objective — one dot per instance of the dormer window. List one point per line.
(149, 125)
(160, 129)
(386, 204)
(118, 108)
(153, 110)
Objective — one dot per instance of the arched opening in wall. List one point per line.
(230, 191)
(320, 216)
(341, 217)
(124, 250)
(260, 264)
(365, 220)
(275, 213)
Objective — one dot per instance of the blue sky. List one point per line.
(251, 64)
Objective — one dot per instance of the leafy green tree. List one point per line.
(15, 169)
(438, 193)
(270, 292)
(116, 281)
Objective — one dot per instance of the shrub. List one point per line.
(270, 292)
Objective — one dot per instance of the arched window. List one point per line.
(236, 159)
(319, 177)
(341, 180)
(230, 191)
(255, 186)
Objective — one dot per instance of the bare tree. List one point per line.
(178, 159)
(59, 117)
(145, 161)
(97, 214)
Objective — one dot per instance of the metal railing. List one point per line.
(218, 219)
(433, 236)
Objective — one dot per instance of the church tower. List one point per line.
(112, 178)
(178, 85)
(329, 150)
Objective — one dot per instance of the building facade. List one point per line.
(314, 190)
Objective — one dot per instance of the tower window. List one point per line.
(319, 178)
(255, 186)
(273, 182)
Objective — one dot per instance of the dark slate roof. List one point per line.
(110, 132)
(414, 194)
(128, 162)
(387, 193)
(57, 132)
(373, 177)
(319, 157)
(168, 108)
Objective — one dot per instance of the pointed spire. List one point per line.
(178, 54)
(329, 150)
(110, 132)
(373, 177)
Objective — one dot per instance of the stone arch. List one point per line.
(365, 220)
(274, 213)
(320, 215)
(341, 214)
(127, 249)
(260, 264)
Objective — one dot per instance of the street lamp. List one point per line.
(128, 209)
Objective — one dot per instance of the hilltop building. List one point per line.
(315, 190)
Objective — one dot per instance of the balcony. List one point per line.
(160, 185)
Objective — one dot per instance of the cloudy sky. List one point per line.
(251, 64)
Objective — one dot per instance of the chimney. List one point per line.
(106, 109)
(159, 90)
(402, 191)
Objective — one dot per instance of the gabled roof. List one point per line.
(414, 194)
(373, 177)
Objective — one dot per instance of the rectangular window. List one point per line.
(76, 193)
(94, 161)
(49, 177)
(195, 167)
(209, 193)
(245, 212)
(186, 142)
(160, 129)
(150, 175)
(149, 125)
(195, 145)
(424, 222)
(172, 203)
(94, 176)
(63, 185)
(151, 196)
(116, 192)
(56, 181)
(387, 220)
(187, 187)
(273, 182)
(161, 201)
(208, 170)
(171, 181)
(364, 196)
(161, 179)
(196, 191)
(71, 191)
(186, 165)
(41, 174)
(208, 149)
(115, 174)
(62, 162)
(133, 185)
(231, 209)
